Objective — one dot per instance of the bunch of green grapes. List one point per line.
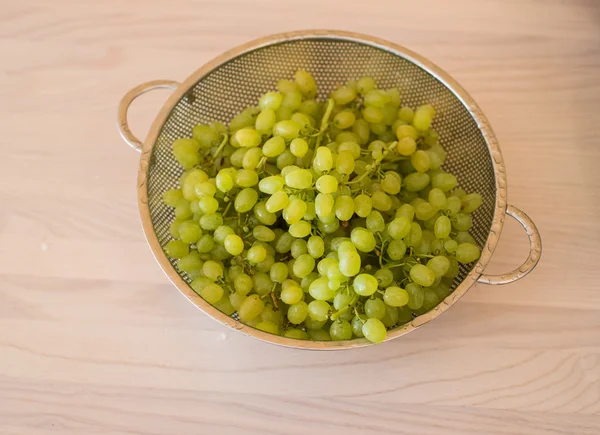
(321, 220)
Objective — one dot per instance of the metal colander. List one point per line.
(236, 79)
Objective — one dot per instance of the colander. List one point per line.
(236, 79)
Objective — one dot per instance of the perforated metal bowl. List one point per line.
(236, 79)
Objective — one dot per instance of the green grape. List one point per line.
(174, 228)
(284, 113)
(306, 83)
(267, 326)
(271, 184)
(212, 270)
(399, 228)
(415, 295)
(471, 202)
(424, 211)
(439, 265)
(423, 117)
(300, 229)
(372, 115)
(346, 136)
(265, 121)
(406, 114)
(299, 179)
(274, 146)
(248, 137)
(287, 129)
(351, 146)
(171, 197)
(365, 84)
(437, 198)
(375, 222)
(182, 209)
(270, 100)
(365, 285)
(236, 300)
(430, 300)
(391, 316)
(389, 117)
(211, 293)
(391, 183)
(396, 249)
(442, 227)
(297, 312)
(357, 325)
(316, 246)
(323, 160)
(375, 308)
(450, 246)
(420, 161)
(444, 181)
(278, 201)
(459, 193)
(278, 272)
(343, 95)
(285, 159)
(350, 263)
(422, 275)
(327, 184)
(407, 211)
(465, 237)
(374, 330)
(292, 295)
(319, 309)
(206, 136)
(319, 335)
(211, 221)
(396, 296)
(256, 254)
(453, 206)
(177, 249)
(208, 205)
(186, 152)
(344, 119)
(221, 234)
(466, 253)
(362, 131)
(340, 330)
(384, 277)
(264, 234)
(243, 284)
(205, 244)
(363, 239)
(263, 215)
(297, 334)
(362, 205)
(404, 131)
(381, 201)
(376, 98)
(245, 200)
(250, 308)
(299, 147)
(292, 100)
(304, 265)
(190, 263)
(302, 120)
(344, 207)
(309, 107)
(205, 188)
(262, 283)
(416, 181)
(190, 232)
(462, 222)
(284, 243)
(324, 204)
(295, 210)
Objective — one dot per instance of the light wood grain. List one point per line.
(93, 339)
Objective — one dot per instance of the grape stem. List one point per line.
(222, 145)
(324, 121)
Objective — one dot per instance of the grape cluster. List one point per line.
(321, 220)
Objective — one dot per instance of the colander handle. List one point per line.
(535, 251)
(126, 101)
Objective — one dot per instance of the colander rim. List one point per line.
(423, 63)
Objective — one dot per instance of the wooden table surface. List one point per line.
(95, 340)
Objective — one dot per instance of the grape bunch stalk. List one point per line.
(321, 220)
